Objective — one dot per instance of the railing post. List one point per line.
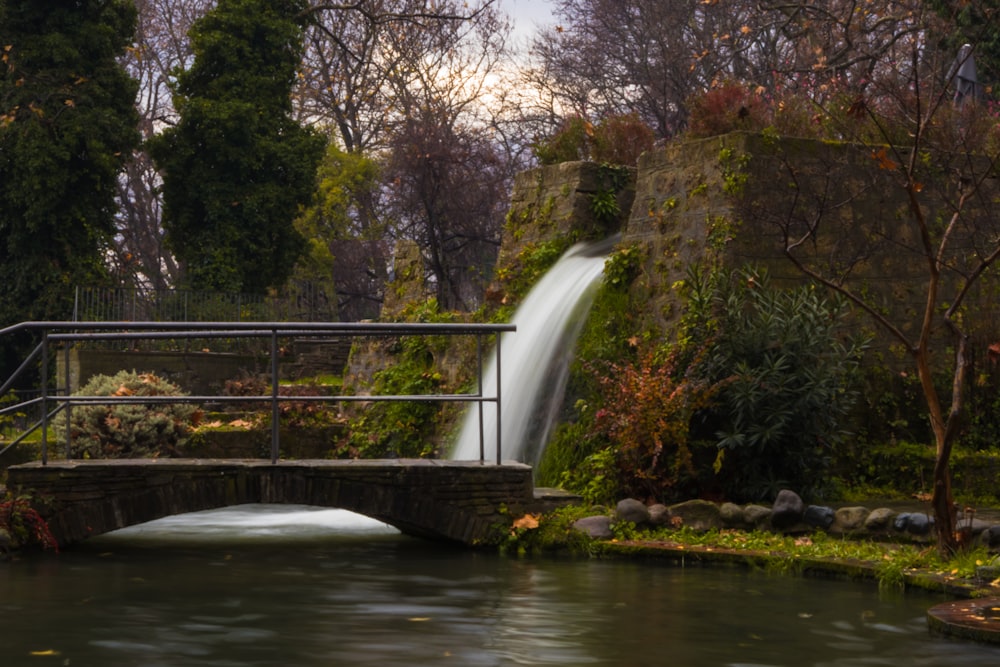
(274, 396)
(499, 419)
(69, 404)
(479, 403)
(45, 396)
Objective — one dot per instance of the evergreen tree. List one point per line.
(67, 123)
(236, 167)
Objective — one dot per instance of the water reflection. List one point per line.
(342, 590)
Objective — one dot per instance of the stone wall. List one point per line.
(456, 501)
(727, 201)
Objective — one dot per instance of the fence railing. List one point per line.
(62, 335)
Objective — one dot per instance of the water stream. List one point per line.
(275, 586)
(535, 359)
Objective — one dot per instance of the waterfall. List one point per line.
(535, 360)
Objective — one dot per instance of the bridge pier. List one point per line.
(456, 501)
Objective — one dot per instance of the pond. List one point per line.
(271, 585)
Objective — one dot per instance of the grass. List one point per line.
(893, 565)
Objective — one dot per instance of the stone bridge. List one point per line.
(450, 500)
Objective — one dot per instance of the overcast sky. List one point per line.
(527, 15)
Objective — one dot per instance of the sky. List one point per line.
(527, 15)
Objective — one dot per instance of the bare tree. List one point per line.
(140, 257)
(916, 202)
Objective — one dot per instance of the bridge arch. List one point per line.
(449, 500)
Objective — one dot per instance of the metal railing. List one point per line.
(65, 334)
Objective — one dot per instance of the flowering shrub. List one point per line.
(24, 524)
(646, 412)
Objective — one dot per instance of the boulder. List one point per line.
(990, 537)
(632, 510)
(597, 527)
(787, 510)
(659, 515)
(757, 516)
(915, 523)
(819, 516)
(698, 514)
(849, 519)
(879, 520)
(732, 515)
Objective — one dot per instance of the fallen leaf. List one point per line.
(527, 521)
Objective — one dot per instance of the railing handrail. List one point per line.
(69, 332)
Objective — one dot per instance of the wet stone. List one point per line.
(632, 510)
(597, 527)
(880, 519)
(757, 515)
(819, 516)
(732, 514)
(849, 519)
(659, 515)
(787, 510)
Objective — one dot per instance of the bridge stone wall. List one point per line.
(450, 500)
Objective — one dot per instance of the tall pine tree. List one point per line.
(67, 123)
(237, 167)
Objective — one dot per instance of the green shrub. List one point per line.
(128, 430)
(407, 429)
(788, 385)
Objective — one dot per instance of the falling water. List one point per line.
(536, 359)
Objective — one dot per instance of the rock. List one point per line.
(991, 536)
(787, 510)
(632, 510)
(849, 519)
(972, 526)
(819, 516)
(732, 515)
(698, 514)
(757, 515)
(659, 515)
(880, 519)
(919, 524)
(597, 527)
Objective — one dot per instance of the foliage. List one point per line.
(788, 379)
(622, 267)
(237, 167)
(726, 108)
(646, 411)
(291, 413)
(345, 236)
(621, 139)
(616, 139)
(24, 524)
(595, 478)
(548, 533)
(569, 143)
(531, 263)
(406, 429)
(67, 124)
(126, 430)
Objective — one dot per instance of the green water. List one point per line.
(272, 586)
